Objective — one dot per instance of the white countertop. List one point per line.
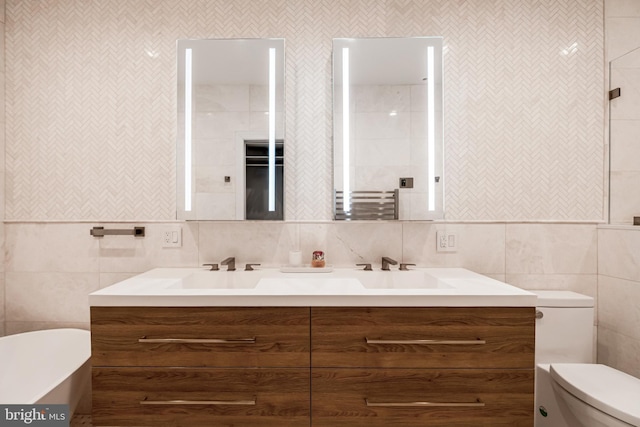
(420, 287)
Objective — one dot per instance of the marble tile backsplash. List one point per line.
(52, 267)
(481, 246)
(49, 296)
(557, 248)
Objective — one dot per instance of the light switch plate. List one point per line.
(446, 241)
(172, 237)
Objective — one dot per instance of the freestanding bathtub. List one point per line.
(49, 366)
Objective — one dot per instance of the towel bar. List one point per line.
(101, 232)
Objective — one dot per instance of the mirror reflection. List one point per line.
(388, 119)
(230, 136)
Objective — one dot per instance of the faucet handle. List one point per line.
(367, 267)
(214, 267)
(403, 267)
(249, 267)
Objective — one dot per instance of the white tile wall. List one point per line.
(618, 261)
(51, 260)
(126, 254)
(618, 298)
(551, 248)
(88, 91)
(619, 341)
(618, 350)
(39, 247)
(49, 296)
(44, 290)
(348, 244)
(481, 246)
(249, 242)
(2, 164)
(615, 312)
(617, 254)
(624, 124)
(2, 305)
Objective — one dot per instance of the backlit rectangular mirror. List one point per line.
(387, 128)
(230, 136)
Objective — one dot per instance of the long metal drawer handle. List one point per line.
(198, 340)
(476, 404)
(199, 402)
(427, 342)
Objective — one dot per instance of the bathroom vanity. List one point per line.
(437, 347)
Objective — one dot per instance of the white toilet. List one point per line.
(572, 391)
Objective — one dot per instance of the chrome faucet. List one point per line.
(230, 263)
(386, 261)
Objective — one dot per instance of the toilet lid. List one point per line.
(606, 389)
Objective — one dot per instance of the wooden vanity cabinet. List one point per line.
(456, 366)
(423, 337)
(200, 336)
(370, 397)
(320, 366)
(168, 396)
(200, 366)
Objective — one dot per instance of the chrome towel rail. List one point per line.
(101, 232)
(368, 205)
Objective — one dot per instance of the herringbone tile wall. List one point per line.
(91, 101)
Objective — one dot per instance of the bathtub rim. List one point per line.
(60, 378)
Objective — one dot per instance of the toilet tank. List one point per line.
(564, 327)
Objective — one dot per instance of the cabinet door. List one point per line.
(434, 337)
(421, 397)
(200, 336)
(170, 397)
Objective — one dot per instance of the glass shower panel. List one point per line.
(624, 138)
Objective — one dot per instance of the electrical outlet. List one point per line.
(172, 237)
(446, 241)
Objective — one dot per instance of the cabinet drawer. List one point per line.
(200, 336)
(421, 397)
(458, 337)
(200, 397)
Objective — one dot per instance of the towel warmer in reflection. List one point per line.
(368, 205)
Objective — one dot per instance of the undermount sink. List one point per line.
(411, 279)
(338, 281)
(220, 280)
(309, 284)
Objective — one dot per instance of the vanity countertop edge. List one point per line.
(168, 287)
